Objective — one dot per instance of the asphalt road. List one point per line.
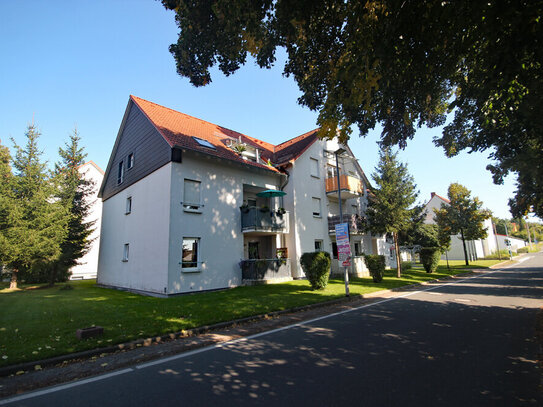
(467, 343)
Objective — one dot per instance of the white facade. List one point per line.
(88, 264)
(475, 249)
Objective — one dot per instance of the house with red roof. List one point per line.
(189, 205)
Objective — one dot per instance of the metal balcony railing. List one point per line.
(260, 220)
(356, 223)
(265, 269)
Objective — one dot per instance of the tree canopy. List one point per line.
(463, 215)
(392, 209)
(399, 63)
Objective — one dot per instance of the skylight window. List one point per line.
(204, 143)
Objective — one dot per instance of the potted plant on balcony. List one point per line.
(264, 208)
(244, 208)
(280, 212)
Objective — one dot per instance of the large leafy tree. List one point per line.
(463, 215)
(74, 192)
(399, 63)
(36, 224)
(392, 208)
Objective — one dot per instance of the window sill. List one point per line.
(127, 213)
(189, 210)
(124, 260)
(315, 176)
(317, 216)
(191, 270)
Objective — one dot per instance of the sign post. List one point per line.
(344, 251)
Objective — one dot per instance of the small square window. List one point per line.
(128, 205)
(120, 173)
(316, 207)
(126, 251)
(318, 245)
(130, 162)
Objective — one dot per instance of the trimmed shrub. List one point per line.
(406, 265)
(522, 249)
(376, 265)
(429, 257)
(316, 266)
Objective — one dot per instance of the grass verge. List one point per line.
(40, 322)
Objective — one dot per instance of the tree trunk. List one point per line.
(13, 282)
(464, 245)
(398, 262)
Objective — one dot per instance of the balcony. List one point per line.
(265, 269)
(255, 219)
(351, 187)
(355, 222)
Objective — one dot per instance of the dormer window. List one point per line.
(204, 143)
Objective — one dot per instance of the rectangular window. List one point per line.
(251, 202)
(130, 162)
(190, 252)
(318, 245)
(191, 195)
(314, 167)
(334, 250)
(358, 248)
(126, 251)
(120, 173)
(316, 207)
(128, 205)
(330, 171)
(354, 209)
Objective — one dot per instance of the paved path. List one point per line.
(467, 343)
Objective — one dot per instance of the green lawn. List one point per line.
(37, 323)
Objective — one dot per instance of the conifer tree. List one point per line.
(392, 210)
(462, 216)
(36, 225)
(74, 193)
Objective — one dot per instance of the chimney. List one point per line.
(432, 194)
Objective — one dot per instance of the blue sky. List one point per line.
(67, 64)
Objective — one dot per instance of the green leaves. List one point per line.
(366, 62)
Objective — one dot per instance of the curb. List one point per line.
(65, 359)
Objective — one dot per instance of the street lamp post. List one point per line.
(338, 152)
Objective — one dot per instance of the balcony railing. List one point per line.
(255, 219)
(356, 223)
(265, 269)
(350, 186)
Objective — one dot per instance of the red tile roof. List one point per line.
(178, 129)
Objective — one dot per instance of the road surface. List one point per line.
(466, 343)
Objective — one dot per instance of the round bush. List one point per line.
(429, 257)
(406, 265)
(376, 265)
(316, 266)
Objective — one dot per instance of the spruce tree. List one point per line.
(463, 215)
(74, 193)
(37, 222)
(392, 209)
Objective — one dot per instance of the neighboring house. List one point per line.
(475, 248)
(88, 264)
(184, 207)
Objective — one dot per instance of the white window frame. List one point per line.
(126, 252)
(120, 173)
(193, 207)
(197, 268)
(314, 199)
(314, 166)
(128, 209)
(130, 161)
(320, 243)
